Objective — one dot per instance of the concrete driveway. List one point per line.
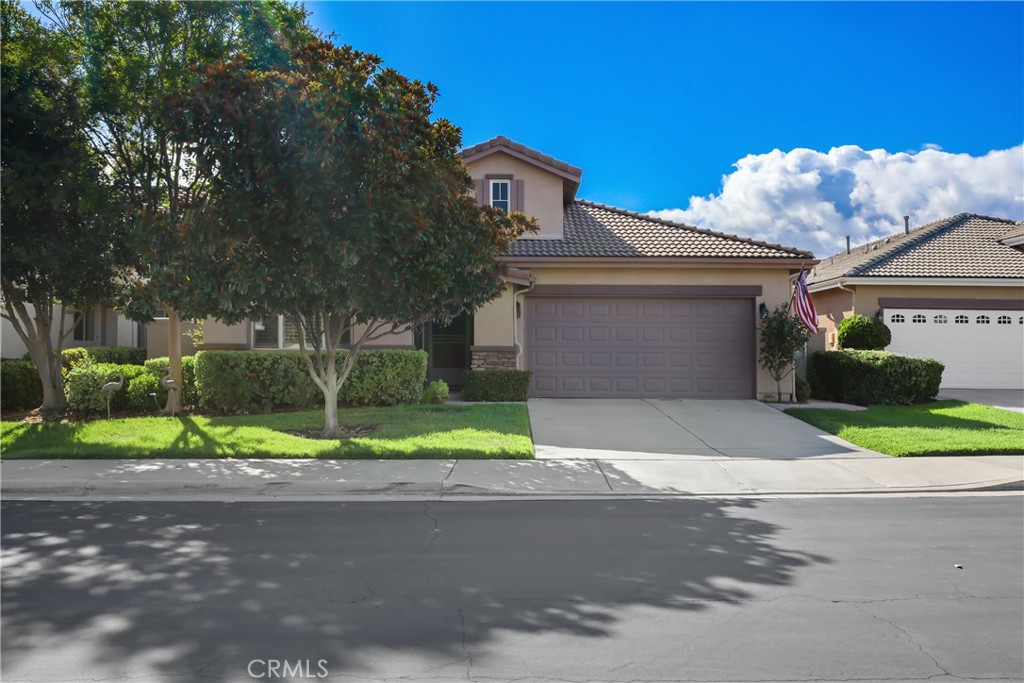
(635, 429)
(1007, 399)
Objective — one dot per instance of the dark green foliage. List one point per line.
(118, 355)
(869, 377)
(72, 357)
(861, 332)
(158, 368)
(19, 385)
(803, 389)
(782, 336)
(497, 385)
(435, 392)
(262, 381)
(85, 380)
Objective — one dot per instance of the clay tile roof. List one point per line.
(965, 245)
(503, 142)
(595, 230)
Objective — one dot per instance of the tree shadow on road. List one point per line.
(199, 590)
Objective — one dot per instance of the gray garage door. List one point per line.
(641, 348)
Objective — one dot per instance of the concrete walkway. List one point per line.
(268, 480)
(681, 429)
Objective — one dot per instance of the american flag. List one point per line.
(803, 305)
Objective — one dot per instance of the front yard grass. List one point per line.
(938, 428)
(400, 432)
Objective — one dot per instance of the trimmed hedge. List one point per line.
(118, 355)
(85, 379)
(262, 381)
(869, 377)
(20, 386)
(861, 332)
(497, 385)
(159, 367)
(803, 389)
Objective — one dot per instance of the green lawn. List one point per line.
(422, 431)
(939, 428)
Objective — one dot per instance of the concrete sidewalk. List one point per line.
(236, 480)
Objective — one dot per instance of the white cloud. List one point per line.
(812, 199)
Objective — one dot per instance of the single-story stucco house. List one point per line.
(952, 290)
(601, 302)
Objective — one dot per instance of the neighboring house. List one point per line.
(952, 290)
(100, 326)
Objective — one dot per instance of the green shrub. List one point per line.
(20, 386)
(159, 367)
(435, 392)
(85, 380)
(497, 385)
(262, 381)
(803, 389)
(869, 377)
(69, 358)
(139, 393)
(861, 332)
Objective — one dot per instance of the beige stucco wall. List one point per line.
(542, 190)
(157, 339)
(493, 323)
(218, 334)
(835, 304)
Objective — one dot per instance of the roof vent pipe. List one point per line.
(847, 244)
(906, 225)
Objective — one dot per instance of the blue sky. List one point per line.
(658, 101)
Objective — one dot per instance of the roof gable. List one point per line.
(964, 245)
(595, 230)
(569, 174)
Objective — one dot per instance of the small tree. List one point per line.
(62, 242)
(782, 337)
(334, 200)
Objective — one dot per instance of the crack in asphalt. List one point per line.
(434, 533)
(465, 650)
(906, 635)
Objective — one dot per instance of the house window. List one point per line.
(961, 320)
(919, 319)
(940, 320)
(85, 329)
(982, 320)
(1005, 320)
(897, 318)
(277, 332)
(500, 194)
(160, 313)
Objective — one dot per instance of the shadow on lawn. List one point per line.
(200, 590)
(925, 415)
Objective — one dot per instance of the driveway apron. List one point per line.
(638, 429)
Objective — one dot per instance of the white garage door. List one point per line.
(980, 349)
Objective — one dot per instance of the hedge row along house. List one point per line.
(952, 290)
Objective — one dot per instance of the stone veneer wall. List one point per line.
(493, 358)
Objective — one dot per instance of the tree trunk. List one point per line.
(331, 411)
(778, 391)
(174, 361)
(54, 401)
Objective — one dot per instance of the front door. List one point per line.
(448, 348)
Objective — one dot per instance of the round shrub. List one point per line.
(85, 380)
(139, 393)
(861, 332)
(20, 387)
(803, 389)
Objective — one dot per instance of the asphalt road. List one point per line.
(671, 590)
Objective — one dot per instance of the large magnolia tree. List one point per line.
(62, 234)
(336, 201)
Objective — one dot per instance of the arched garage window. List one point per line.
(1005, 320)
(961, 320)
(940, 320)
(919, 319)
(982, 320)
(897, 318)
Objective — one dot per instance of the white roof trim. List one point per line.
(920, 282)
